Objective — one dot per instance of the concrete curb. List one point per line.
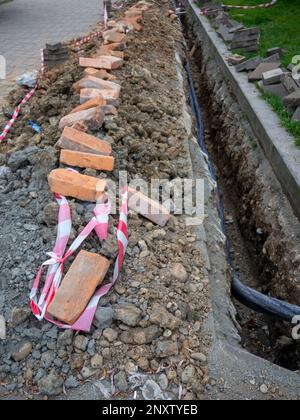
(277, 144)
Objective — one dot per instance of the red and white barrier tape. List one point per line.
(257, 6)
(118, 6)
(99, 223)
(87, 39)
(29, 95)
(231, 6)
(105, 16)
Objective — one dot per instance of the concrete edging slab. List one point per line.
(278, 145)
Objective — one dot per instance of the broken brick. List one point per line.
(102, 52)
(131, 13)
(93, 118)
(87, 160)
(92, 82)
(73, 184)
(101, 74)
(106, 49)
(110, 110)
(111, 96)
(80, 126)
(115, 35)
(72, 139)
(76, 86)
(97, 101)
(106, 62)
(147, 207)
(133, 22)
(86, 273)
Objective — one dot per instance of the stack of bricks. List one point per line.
(99, 97)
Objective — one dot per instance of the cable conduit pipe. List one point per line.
(249, 297)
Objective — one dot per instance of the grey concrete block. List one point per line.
(277, 89)
(277, 144)
(275, 58)
(276, 50)
(296, 116)
(257, 74)
(289, 83)
(293, 99)
(273, 76)
(249, 65)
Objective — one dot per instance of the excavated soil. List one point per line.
(262, 228)
(148, 142)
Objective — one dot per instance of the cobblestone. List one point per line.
(25, 27)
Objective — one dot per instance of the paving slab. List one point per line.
(277, 89)
(26, 26)
(257, 74)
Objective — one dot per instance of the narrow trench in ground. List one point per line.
(260, 335)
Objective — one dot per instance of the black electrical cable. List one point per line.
(257, 301)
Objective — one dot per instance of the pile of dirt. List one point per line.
(153, 322)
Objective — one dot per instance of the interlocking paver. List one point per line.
(25, 27)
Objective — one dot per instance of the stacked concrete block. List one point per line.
(246, 40)
(55, 55)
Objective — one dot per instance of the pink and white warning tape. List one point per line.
(29, 95)
(59, 255)
(257, 6)
(118, 6)
(87, 39)
(231, 6)
(105, 17)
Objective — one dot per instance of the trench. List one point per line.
(262, 335)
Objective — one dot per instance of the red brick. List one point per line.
(92, 82)
(87, 160)
(73, 184)
(77, 141)
(76, 86)
(105, 62)
(108, 48)
(111, 96)
(93, 118)
(80, 126)
(115, 35)
(132, 22)
(148, 208)
(98, 101)
(119, 54)
(133, 13)
(110, 110)
(102, 74)
(86, 273)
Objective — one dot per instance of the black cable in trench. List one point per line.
(257, 301)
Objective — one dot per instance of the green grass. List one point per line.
(285, 118)
(280, 27)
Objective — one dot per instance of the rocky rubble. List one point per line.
(148, 333)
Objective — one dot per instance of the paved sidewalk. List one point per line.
(26, 25)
